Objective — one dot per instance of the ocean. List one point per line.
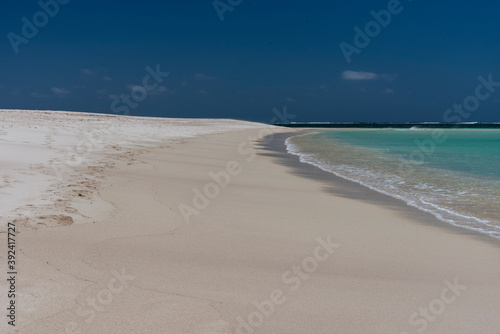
(452, 173)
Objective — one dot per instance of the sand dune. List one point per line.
(49, 157)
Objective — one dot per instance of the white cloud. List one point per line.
(131, 87)
(184, 83)
(107, 78)
(358, 75)
(203, 92)
(388, 91)
(60, 91)
(289, 99)
(161, 90)
(86, 71)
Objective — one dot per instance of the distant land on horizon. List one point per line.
(396, 125)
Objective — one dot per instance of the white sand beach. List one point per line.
(196, 226)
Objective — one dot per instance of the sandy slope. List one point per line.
(50, 156)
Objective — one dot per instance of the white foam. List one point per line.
(449, 216)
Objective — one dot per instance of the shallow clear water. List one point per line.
(453, 174)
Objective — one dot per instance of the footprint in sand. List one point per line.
(49, 141)
(5, 181)
(43, 221)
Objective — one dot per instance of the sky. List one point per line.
(328, 61)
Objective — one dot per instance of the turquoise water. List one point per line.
(453, 174)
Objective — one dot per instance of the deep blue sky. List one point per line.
(264, 55)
